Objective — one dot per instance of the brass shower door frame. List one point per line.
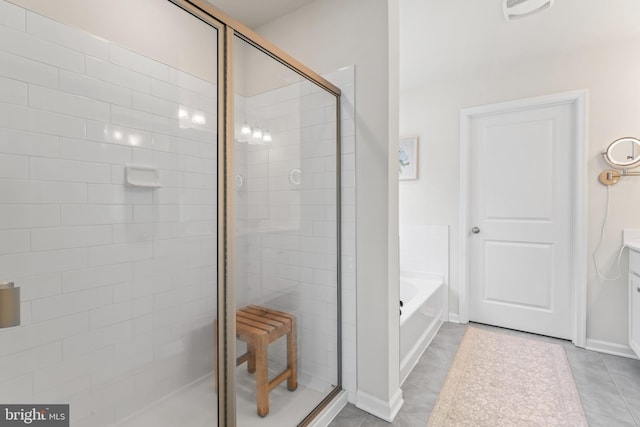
(226, 359)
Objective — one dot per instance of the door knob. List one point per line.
(475, 230)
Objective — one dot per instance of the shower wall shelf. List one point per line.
(142, 176)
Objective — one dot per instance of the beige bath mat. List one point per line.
(498, 379)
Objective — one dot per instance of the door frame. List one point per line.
(578, 100)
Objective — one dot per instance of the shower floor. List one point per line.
(196, 406)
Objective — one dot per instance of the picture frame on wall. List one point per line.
(408, 157)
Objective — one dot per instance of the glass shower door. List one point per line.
(286, 240)
(108, 207)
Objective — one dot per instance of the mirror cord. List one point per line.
(602, 235)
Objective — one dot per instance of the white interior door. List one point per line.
(520, 241)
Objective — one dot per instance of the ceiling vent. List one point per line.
(516, 9)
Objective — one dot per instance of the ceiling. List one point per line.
(441, 37)
(255, 13)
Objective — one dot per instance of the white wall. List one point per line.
(610, 73)
(330, 34)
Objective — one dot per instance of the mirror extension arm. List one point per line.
(611, 176)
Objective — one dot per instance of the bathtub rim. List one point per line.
(434, 281)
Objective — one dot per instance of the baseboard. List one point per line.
(385, 410)
(327, 415)
(454, 318)
(610, 348)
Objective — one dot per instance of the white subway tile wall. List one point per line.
(118, 283)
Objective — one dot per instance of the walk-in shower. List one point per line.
(285, 207)
(169, 200)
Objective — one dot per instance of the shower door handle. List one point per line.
(475, 230)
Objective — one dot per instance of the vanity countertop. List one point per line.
(631, 239)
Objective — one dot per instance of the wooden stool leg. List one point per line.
(292, 357)
(251, 363)
(262, 377)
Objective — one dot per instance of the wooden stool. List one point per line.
(258, 327)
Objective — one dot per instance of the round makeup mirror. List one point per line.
(623, 153)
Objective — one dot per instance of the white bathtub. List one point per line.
(423, 312)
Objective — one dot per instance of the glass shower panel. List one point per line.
(108, 177)
(285, 240)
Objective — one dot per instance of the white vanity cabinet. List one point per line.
(634, 300)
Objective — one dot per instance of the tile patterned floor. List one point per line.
(609, 386)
